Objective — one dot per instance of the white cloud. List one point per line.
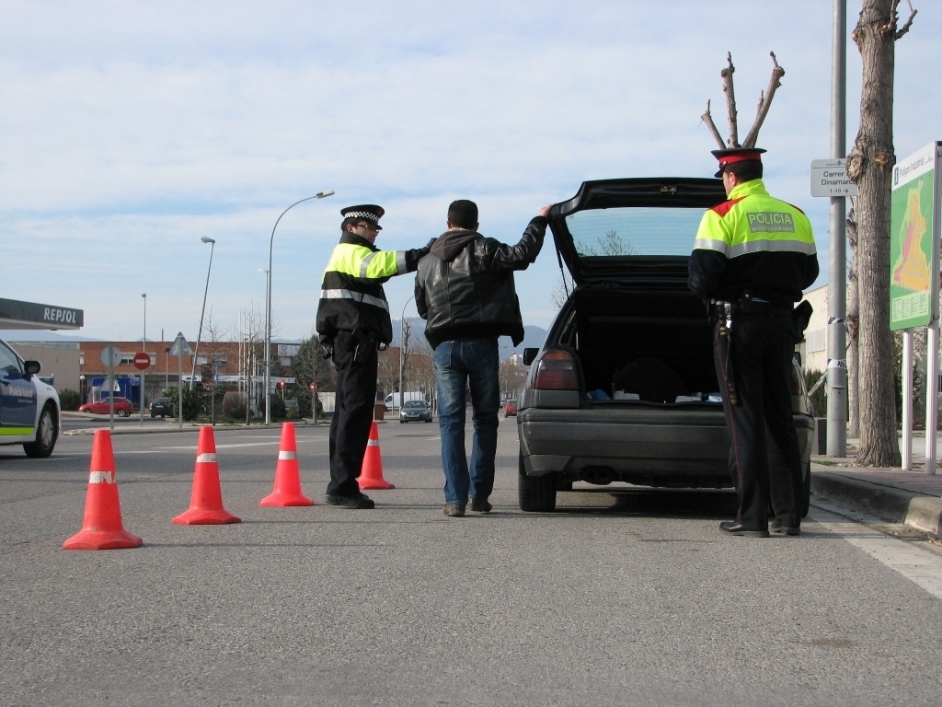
(129, 130)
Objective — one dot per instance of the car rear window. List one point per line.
(634, 231)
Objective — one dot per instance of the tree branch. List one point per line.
(909, 22)
(708, 119)
(727, 75)
(777, 73)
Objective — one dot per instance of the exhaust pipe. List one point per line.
(599, 475)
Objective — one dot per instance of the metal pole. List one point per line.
(180, 387)
(908, 399)
(932, 393)
(144, 349)
(199, 333)
(265, 377)
(271, 242)
(402, 346)
(837, 298)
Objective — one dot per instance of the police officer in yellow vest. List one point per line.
(353, 322)
(752, 258)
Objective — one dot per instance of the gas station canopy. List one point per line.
(15, 314)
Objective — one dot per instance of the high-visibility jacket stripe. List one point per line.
(754, 247)
(356, 297)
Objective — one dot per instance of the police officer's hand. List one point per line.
(544, 212)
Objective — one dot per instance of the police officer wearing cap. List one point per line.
(353, 322)
(753, 256)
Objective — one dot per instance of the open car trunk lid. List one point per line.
(633, 230)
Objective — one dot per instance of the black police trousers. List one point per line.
(764, 458)
(353, 416)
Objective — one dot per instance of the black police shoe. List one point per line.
(480, 505)
(776, 527)
(359, 501)
(732, 527)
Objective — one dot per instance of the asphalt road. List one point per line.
(634, 601)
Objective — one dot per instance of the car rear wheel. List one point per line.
(537, 493)
(122, 413)
(45, 436)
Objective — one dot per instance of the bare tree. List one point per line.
(765, 102)
(251, 351)
(870, 165)
(560, 292)
(853, 327)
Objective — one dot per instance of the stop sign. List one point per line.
(141, 361)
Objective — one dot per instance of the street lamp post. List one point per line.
(199, 333)
(144, 349)
(264, 377)
(402, 346)
(271, 242)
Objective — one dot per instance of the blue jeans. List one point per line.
(459, 364)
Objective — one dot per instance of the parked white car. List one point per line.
(29, 409)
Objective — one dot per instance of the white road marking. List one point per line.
(922, 567)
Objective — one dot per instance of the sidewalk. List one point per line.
(911, 497)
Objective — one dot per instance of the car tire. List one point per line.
(806, 491)
(46, 434)
(537, 494)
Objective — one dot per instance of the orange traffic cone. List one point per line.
(102, 528)
(287, 491)
(371, 475)
(206, 499)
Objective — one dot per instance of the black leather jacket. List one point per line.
(464, 287)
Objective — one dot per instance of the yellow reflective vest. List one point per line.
(753, 242)
(352, 296)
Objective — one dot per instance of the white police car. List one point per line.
(29, 409)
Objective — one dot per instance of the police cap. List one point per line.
(367, 212)
(736, 154)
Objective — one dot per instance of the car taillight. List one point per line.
(556, 371)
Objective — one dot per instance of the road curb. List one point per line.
(896, 505)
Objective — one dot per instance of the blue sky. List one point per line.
(128, 131)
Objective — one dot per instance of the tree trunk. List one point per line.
(853, 328)
(870, 165)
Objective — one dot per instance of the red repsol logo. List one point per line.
(54, 314)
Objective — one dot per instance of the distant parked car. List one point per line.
(122, 407)
(510, 407)
(292, 410)
(29, 409)
(414, 411)
(162, 407)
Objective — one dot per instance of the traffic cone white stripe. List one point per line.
(100, 477)
(287, 455)
(373, 443)
(206, 457)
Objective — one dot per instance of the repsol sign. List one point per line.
(57, 315)
(14, 312)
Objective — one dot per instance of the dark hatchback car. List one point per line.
(415, 411)
(162, 407)
(624, 389)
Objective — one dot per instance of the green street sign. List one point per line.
(914, 240)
